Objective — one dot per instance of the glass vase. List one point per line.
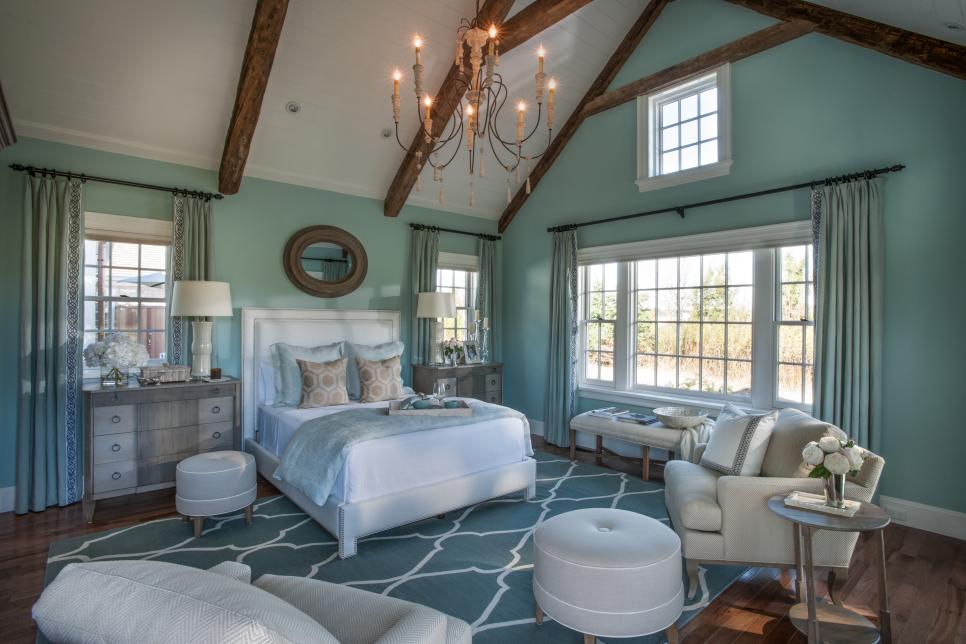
(835, 490)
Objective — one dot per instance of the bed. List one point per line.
(390, 481)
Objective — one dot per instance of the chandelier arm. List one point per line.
(536, 125)
(496, 155)
(456, 149)
(496, 115)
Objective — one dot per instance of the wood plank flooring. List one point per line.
(927, 574)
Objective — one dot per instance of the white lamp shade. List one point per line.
(194, 298)
(436, 305)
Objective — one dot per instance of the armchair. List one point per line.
(725, 519)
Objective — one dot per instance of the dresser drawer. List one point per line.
(216, 410)
(174, 440)
(215, 436)
(494, 397)
(117, 419)
(172, 413)
(493, 382)
(449, 386)
(115, 447)
(161, 469)
(115, 476)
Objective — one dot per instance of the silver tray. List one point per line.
(462, 410)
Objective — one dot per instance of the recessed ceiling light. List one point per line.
(954, 26)
(292, 107)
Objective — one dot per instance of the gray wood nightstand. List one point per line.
(480, 381)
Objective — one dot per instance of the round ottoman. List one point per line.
(215, 483)
(608, 573)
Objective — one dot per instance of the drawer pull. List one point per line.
(216, 435)
(216, 409)
(116, 447)
(116, 419)
(116, 476)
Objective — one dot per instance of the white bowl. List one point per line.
(681, 417)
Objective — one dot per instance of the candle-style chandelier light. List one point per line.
(482, 96)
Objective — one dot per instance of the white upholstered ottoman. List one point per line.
(608, 573)
(215, 483)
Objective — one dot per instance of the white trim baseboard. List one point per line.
(6, 498)
(925, 517)
(536, 427)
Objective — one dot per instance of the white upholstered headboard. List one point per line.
(261, 328)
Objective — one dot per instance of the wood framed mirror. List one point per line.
(325, 261)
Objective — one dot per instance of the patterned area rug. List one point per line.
(475, 564)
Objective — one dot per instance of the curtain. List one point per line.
(189, 259)
(49, 415)
(562, 360)
(485, 296)
(424, 257)
(849, 308)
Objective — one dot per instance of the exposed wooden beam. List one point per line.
(598, 87)
(7, 136)
(256, 67)
(524, 25)
(735, 50)
(932, 53)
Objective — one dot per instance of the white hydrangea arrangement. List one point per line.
(831, 456)
(116, 351)
(453, 349)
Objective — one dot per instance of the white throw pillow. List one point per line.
(266, 383)
(154, 602)
(738, 442)
(377, 353)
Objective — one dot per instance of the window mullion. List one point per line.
(622, 327)
(764, 367)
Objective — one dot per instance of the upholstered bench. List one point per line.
(215, 483)
(608, 573)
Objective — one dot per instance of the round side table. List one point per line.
(824, 622)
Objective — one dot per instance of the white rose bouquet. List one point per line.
(831, 456)
(453, 350)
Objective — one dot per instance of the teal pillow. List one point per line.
(288, 377)
(376, 353)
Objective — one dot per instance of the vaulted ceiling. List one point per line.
(158, 79)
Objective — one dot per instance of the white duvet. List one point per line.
(395, 463)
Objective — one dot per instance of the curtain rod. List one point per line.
(31, 170)
(458, 232)
(867, 174)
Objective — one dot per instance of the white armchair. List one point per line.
(725, 519)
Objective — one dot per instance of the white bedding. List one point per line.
(396, 463)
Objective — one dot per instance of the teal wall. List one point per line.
(249, 232)
(810, 108)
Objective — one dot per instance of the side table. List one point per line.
(824, 622)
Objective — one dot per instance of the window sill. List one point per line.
(655, 399)
(719, 169)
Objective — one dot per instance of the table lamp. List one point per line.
(434, 306)
(200, 299)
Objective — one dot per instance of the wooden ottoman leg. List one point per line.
(590, 639)
(199, 523)
(573, 444)
(646, 467)
(539, 615)
(694, 578)
(248, 513)
(599, 452)
(672, 634)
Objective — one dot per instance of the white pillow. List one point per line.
(374, 353)
(154, 602)
(738, 442)
(266, 383)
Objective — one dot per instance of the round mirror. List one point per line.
(325, 261)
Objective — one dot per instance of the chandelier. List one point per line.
(482, 96)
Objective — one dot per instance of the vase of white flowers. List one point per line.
(832, 459)
(452, 351)
(116, 355)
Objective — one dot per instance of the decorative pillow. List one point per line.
(266, 383)
(793, 430)
(738, 442)
(380, 380)
(376, 352)
(288, 369)
(151, 602)
(323, 384)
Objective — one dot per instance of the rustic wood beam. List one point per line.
(932, 53)
(7, 136)
(735, 50)
(524, 25)
(598, 87)
(256, 67)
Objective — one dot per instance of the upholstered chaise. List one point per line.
(725, 519)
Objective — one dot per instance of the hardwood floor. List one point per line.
(927, 574)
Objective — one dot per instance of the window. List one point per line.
(462, 284)
(684, 132)
(124, 292)
(713, 324)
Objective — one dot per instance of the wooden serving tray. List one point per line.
(462, 410)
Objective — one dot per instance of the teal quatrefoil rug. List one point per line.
(475, 564)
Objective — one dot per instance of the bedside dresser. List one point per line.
(480, 381)
(135, 436)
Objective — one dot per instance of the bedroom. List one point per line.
(97, 88)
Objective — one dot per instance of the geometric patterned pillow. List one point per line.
(323, 384)
(380, 379)
(738, 442)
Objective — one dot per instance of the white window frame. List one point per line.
(763, 240)
(469, 264)
(648, 137)
(124, 229)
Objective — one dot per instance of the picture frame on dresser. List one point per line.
(136, 435)
(472, 353)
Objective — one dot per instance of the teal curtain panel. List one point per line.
(849, 308)
(424, 258)
(49, 415)
(189, 259)
(562, 359)
(485, 290)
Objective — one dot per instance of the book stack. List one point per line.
(624, 416)
(816, 502)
